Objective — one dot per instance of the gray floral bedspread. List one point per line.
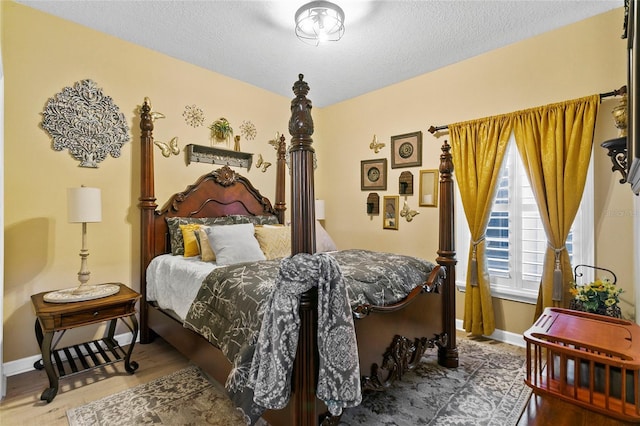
(232, 302)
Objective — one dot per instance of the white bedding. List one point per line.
(173, 281)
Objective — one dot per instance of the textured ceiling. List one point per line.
(385, 42)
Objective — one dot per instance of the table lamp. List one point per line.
(84, 206)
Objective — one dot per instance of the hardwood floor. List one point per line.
(544, 411)
(22, 405)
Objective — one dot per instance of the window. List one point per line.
(515, 239)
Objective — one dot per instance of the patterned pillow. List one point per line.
(275, 241)
(256, 220)
(175, 234)
(234, 243)
(189, 237)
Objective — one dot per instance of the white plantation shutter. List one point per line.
(515, 239)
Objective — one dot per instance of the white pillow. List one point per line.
(323, 240)
(234, 243)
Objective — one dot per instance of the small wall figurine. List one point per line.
(375, 145)
(407, 213)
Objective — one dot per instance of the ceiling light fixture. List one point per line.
(319, 21)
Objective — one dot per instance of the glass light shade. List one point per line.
(319, 21)
(84, 205)
(319, 209)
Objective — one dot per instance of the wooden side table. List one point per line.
(59, 317)
(586, 359)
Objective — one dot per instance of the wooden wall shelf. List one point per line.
(224, 157)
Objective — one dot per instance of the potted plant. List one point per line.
(221, 131)
(600, 297)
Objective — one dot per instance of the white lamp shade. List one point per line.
(84, 205)
(320, 209)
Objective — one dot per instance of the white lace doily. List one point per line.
(74, 294)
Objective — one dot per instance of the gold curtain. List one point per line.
(555, 143)
(478, 148)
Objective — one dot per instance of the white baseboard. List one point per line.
(501, 336)
(23, 365)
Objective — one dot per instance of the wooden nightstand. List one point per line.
(59, 317)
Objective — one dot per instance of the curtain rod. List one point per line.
(620, 91)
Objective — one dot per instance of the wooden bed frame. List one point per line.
(391, 340)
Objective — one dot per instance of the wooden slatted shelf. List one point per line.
(85, 356)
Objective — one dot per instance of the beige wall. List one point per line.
(43, 54)
(575, 61)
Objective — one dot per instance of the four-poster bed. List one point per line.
(391, 338)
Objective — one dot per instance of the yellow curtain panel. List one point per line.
(555, 144)
(478, 148)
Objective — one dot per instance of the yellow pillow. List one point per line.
(189, 237)
(206, 252)
(275, 241)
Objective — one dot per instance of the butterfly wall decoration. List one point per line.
(262, 164)
(170, 148)
(407, 213)
(275, 142)
(375, 145)
(154, 114)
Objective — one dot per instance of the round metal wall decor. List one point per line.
(406, 150)
(86, 122)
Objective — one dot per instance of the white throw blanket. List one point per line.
(339, 370)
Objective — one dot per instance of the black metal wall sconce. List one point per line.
(405, 183)
(617, 148)
(373, 204)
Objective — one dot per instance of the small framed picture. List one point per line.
(428, 188)
(406, 150)
(391, 205)
(373, 174)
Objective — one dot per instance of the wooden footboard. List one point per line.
(391, 343)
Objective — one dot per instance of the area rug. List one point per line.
(486, 389)
(186, 397)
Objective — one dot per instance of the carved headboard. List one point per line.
(222, 192)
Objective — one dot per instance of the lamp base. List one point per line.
(81, 293)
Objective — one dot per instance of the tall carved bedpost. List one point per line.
(303, 241)
(301, 151)
(281, 165)
(448, 353)
(147, 210)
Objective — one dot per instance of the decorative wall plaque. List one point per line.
(86, 122)
(193, 116)
(248, 130)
